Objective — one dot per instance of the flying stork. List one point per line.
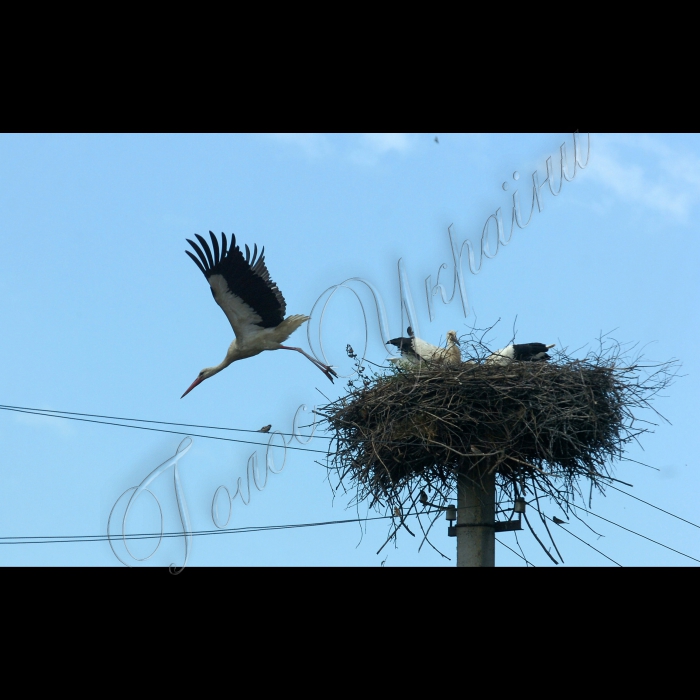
(251, 301)
(413, 350)
(524, 352)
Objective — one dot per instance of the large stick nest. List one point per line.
(550, 424)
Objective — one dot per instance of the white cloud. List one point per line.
(313, 145)
(371, 146)
(365, 149)
(381, 143)
(642, 169)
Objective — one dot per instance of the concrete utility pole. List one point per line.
(476, 508)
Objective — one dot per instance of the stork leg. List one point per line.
(326, 369)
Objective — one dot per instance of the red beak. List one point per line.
(199, 380)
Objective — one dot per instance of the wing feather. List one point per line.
(406, 347)
(199, 252)
(242, 287)
(199, 264)
(215, 243)
(205, 245)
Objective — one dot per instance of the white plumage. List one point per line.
(251, 301)
(415, 350)
(525, 352)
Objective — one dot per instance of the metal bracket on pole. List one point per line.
(498, 526)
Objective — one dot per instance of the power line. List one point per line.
(51, 413)
(653, 506)
(514, 552)
(65, 539)
(144, 420)
(634, 533)
(584, 542)
(157, 430)
(48, 413)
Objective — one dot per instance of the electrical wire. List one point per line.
(678, 517)
(44, 411)
(47, 413)
(70, 415)
(158, 430)
(51, 413)
(634, 533)
(514, 552)
(65, 539)
(47, 539)
(584, 541)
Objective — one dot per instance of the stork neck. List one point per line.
(230, 357)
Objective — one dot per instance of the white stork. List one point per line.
(524, 352)
(251, 301)
(413, 350)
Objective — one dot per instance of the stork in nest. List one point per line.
(523, 352)
(414, 350)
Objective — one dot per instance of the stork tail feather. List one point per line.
(289, 325)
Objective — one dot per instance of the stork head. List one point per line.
(452, 337)
(204, 374)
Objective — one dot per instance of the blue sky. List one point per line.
(101, 312)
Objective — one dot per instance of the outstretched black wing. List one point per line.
(241, 286)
